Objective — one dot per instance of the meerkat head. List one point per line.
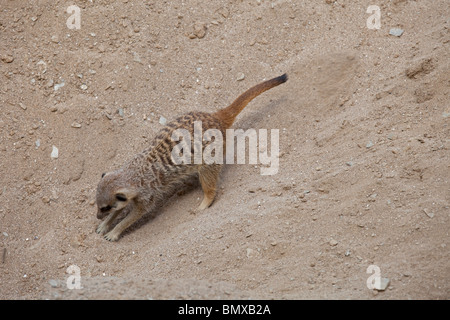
(113, 194)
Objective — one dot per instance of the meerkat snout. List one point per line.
(110, 198)
(116, 193)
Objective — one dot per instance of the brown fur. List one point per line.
(144, 182)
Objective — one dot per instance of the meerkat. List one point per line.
(150, 177)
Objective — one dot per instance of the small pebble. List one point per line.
(382, 284)
(333, 243)
(240, 76)
(428, 213)
(250, 253)
(53, 283)
(396, 32)
(199, 30)
(162, 120)
(55, 153)
(7, 58)
(58, 86)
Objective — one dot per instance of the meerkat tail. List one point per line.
(228, 114)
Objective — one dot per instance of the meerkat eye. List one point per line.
(121, 197)
(103, 174)
(105, 209)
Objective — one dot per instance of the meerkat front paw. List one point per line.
(102, 228)
(111, 236)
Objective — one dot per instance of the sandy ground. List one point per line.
(364, 140)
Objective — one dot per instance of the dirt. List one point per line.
(364, 148)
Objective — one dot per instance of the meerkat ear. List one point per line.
(124, 194)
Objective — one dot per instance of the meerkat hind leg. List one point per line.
(208, 176)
